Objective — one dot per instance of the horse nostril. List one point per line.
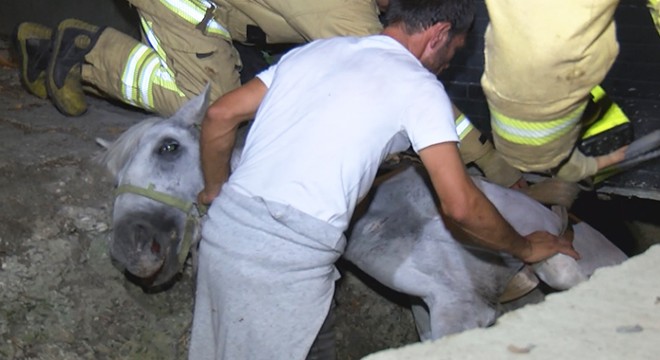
(155, 247)
(140, 233)
(144, 237)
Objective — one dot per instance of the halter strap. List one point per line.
(190, 235)
(151, 193)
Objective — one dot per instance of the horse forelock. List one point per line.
(123, 149)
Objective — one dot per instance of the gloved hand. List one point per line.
(497, 170)
(553, 191)
(475, 149)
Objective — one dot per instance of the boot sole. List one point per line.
(74, 103)
(25, 32)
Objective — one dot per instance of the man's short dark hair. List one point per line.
(418, 15)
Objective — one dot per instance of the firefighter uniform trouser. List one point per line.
(172, 64)
(298, 21)
(178, 56)
(477, 149)
(537, 81)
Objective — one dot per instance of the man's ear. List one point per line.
(439, 35)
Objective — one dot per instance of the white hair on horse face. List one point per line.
(156, 168)
(117, 153)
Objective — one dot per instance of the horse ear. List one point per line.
(192, 112)
(105, 144)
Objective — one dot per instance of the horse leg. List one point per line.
(595, 249)
(562, 272)
(422, 318)
(457, 315)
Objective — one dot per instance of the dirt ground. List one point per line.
(60, 296)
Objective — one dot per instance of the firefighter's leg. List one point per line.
(123, 68)
(322, 19)
(537, 82)
(173, 63)
(476, 148)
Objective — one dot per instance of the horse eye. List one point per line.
(168, 146)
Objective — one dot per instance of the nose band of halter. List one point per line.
(151, 193)
(190, 237)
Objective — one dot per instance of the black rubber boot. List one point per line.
(33, 43)
(72, 40)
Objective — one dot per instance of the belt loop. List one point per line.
(208, 16)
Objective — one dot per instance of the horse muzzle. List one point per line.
(145, 245)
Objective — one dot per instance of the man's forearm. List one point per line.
(218, 134)
(466, 206)
(215, 156)
(485, 227)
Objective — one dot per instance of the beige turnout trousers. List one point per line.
(175, 60)
(161, 77)
(542, 59)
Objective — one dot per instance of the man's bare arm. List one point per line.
(218, 135)
(476, 217)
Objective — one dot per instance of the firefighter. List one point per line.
(539, 82)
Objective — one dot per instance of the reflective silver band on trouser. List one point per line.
(463, 126)
(198, 12)
(147, 66)
(143, 70)
(534, 133)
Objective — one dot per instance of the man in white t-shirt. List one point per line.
(326, 116)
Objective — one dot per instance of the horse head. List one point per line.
(156, 167)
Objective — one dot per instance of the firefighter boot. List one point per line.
(72, 40)
(33, 42)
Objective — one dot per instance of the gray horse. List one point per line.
(400, 239)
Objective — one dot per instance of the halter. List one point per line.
(194, 212)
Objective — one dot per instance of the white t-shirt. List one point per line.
(334, 110)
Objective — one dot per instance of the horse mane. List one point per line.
(118, 152)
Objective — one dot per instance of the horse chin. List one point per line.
(144, 246)
(159, 281)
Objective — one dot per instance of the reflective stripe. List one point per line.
(534, 133)
(164, 76)
(463, 126)
(611, 118)
(194, 11)
(654, 9)
(597, 93)
(145, 80)
(130, 74)
(144, 69)
(152, 39)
